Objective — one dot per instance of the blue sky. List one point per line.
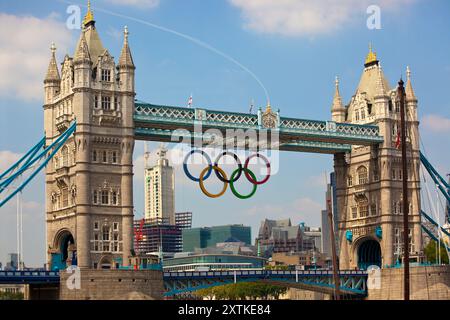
(295, 48)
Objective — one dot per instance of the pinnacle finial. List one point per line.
(125, 31)
(336, 81)
(371, 56)
(53, 48)
(89, 17)
(409, 89)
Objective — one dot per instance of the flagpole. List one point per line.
(401, 95)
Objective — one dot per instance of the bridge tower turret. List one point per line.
(369, 179)
(89, 199)
(337, 108)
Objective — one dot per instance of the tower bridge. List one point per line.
(89, 193)
(89, 196)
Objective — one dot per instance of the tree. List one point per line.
(431, 253)
(11, 296)
(243, 291)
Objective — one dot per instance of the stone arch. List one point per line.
(105, 262)
(64, 250)
(367, 252)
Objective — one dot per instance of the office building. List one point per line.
(156, 236)
(183, 220)
(282, 236)
(159, 189)
(190, 261)
(210, 236)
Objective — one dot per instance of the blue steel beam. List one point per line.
(47, 154)
(28, 277)
(351, 282)
(209, 140)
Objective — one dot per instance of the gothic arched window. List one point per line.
(65, 156)
(362, 175)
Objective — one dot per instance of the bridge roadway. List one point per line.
(352, 282)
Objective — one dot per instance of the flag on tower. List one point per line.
(190, 101)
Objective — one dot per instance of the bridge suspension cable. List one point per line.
(13, 173)
(437, 234)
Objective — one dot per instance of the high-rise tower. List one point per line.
(369, 179)
(89, 196)
(159, 190)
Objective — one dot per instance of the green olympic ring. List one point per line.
(233, 189)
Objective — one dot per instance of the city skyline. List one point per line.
(302, 197)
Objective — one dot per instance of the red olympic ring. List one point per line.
(249, 177)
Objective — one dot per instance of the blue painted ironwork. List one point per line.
(46, 154)
(437, 178)
(28, 277)
(349, 235)
(434, 222)
(156, 122)
(351, 281)
(379, 232)
(29, 155)
(432, 236)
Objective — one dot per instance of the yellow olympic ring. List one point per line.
(202, 186)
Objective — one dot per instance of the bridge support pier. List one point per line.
(48, 291)
(426, 283)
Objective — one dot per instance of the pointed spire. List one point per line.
(89, 17)
(371, 58)
(380, 90)
(409, 89)
(126, 60)
(337, 100)
(82, 50)
(52, 71)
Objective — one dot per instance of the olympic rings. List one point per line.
(185, 167)
(202, 186)
(222, 176)
(236, 158)
(249, 177)
(237, 194)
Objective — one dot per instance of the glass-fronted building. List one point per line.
(210, 262)
(210, 236)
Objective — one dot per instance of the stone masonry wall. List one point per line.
(426, 283)
(113, 284)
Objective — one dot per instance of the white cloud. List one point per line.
(307, 17)
(142, 4)
(435, 123)
(25, 53)
(7, 158)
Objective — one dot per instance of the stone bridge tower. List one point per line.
(369, 179)
(89, 195)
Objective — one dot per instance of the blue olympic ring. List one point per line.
(185, 166)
